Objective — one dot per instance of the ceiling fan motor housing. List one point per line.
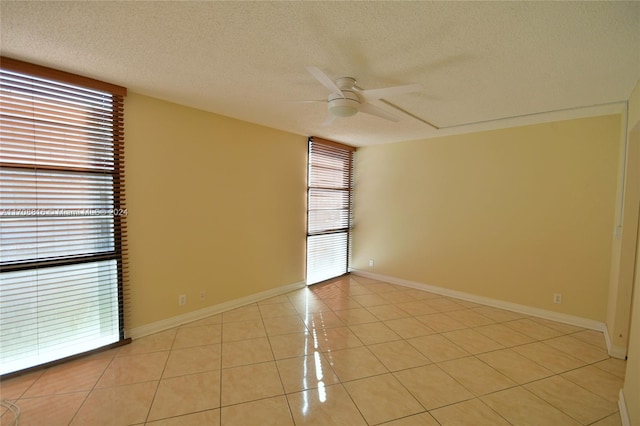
(347, 103)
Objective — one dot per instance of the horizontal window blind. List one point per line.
(62, 215)
(329, 214)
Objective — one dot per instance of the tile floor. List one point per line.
(353, 351)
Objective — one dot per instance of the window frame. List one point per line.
(116, 235)
(344, 154)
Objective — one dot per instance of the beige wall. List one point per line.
(632, 378)
(215, 205)
(515, 214)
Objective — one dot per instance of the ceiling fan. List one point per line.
(347, 99)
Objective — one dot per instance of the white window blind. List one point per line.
(62, 215)
(329, 216)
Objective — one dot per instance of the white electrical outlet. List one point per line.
(557, 298)
(182, 299)
(371, 263)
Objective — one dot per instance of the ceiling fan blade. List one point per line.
(330, 119)
(324, 79)
(389, 92)
(404, 111)
(378, 112)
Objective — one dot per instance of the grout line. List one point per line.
(164, 367)
(84, 401)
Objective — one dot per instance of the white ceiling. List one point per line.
(479, 63)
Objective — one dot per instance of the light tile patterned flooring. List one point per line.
(353, 351)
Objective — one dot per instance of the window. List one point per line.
(62, 230)
(329, 201)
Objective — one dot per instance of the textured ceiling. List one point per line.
(479, 63)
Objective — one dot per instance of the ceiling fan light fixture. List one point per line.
(343, 110)
(343, 107)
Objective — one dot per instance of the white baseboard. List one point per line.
(622, 406)
(522, 309)
(165, 324)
